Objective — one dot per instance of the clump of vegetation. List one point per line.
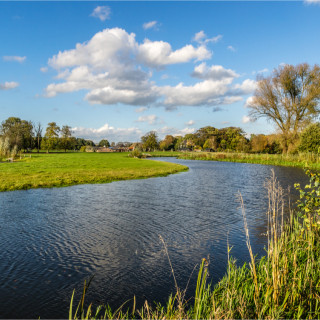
(283, 284)
(6, 150)
(136, 154)
(310, 139)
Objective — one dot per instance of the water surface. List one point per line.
(51, 240)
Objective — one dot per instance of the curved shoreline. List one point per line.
(63, 170)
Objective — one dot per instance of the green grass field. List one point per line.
(65, 169)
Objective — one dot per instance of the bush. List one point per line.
(135, 154)
(310, 139)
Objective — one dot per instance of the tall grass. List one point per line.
(283, 284)
(302, 160)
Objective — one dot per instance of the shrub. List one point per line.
(135, 154)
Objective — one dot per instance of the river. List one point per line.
(51, 240)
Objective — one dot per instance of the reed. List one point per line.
(283, 284)
(302, 160)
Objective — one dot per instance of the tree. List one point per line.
(289, 98)
(210, 143)
(38, 135)
(19, 132)
(310, 139)
(259, 143)
(168, 143)
(66, 141)
(51, 135)
(104, 143)
(150, 141)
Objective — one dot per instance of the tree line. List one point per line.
(22, 135)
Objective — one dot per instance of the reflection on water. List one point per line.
(53, 239)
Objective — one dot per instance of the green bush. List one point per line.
(310, 139)
(135, 154)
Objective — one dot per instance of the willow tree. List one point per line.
(289, 98)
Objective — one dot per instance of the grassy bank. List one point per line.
(283, 284)
(303, 160)
(65, 169)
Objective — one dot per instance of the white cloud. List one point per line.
(246, 119)
(141, 109)
(265, 70)
(246, 87)
(8, 85)
(101, 12)
(214, 72)
(113, 68)
(202, 38)
(174, 131)
(151, 119)
(44, 69)
(190, 123)
(149, 25)
(248, 102)
(14, 58)
(214, 39)
(157, 54)
(199, 36)
(312, 1)
(231, 48)
(108, 132)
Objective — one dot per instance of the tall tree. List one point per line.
(168, 142)
(66, 141)
(19, 132)
(51, 135)
(38, 134)
(289, 98)
(150, 141)
(104, 143)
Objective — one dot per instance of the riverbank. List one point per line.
(303, 160)
(283, 284)
(66, 169)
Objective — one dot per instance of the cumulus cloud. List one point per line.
(149, 25)
(231, 48)
(151, 119)
(101, 12)
(44, 69)
(246, 87)
(108, 132)
(157, 54)
(215, 72)
(113, 68)
(8, 85)
(190, 123)
(14, 58)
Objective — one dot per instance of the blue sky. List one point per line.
(117, 70)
